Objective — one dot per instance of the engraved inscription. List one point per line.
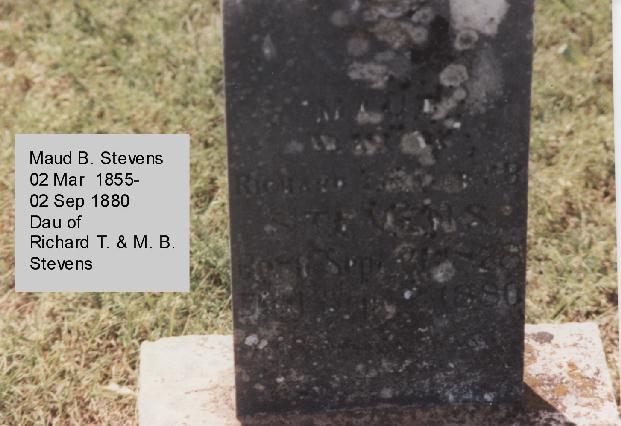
(378, 174)
(284, 184)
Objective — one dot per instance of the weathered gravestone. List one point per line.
(378, 192)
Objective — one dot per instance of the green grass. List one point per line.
(571, 262)
(155, 67)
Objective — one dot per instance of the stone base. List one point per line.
(189, 381)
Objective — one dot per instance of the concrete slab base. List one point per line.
(189, 381)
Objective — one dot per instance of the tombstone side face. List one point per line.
(378, 194)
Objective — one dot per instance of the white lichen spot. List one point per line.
(414, 144)
(460, 94)
(408, 294)
(376, 75)
(280, 380)
(466, 40)
(390, 221)
(489, 397)
(486, 83)
(483, 16)
(386, 393)
(294, 147)
(443, 108)
(324, 143)
(391, 310)
(251, 340)
(269, 50)
(444, 272)
(358, 45)
(262, 344)
(332, 268)
(424, 16)
(401, 181)
(365, 117)
(427, 106)
(464, 180)
(390, 9)
(269, 229)
(329, 142)
(452, 124)
(426, 158)
(369, 145)
(405, 365)
(399, 34)
(339, 18)
(454, 75)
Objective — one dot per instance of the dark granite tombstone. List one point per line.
(378, 192)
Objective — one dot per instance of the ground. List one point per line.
(118, 66)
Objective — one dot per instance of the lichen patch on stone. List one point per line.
(372, 73)
(269, 50)
(483, 16)
(486, 82)
(365, 117)
(339, 18)
(454, 75)
(399, 34)
(414, 144)
(294, 147)
(251, 340)
(424, 15)
(444, 272)
(466, 39)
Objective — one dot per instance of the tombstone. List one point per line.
(378, 155)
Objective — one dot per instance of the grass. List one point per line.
(155, 67)
(571, 263)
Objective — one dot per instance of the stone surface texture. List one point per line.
(378, 156)
(190, 381)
